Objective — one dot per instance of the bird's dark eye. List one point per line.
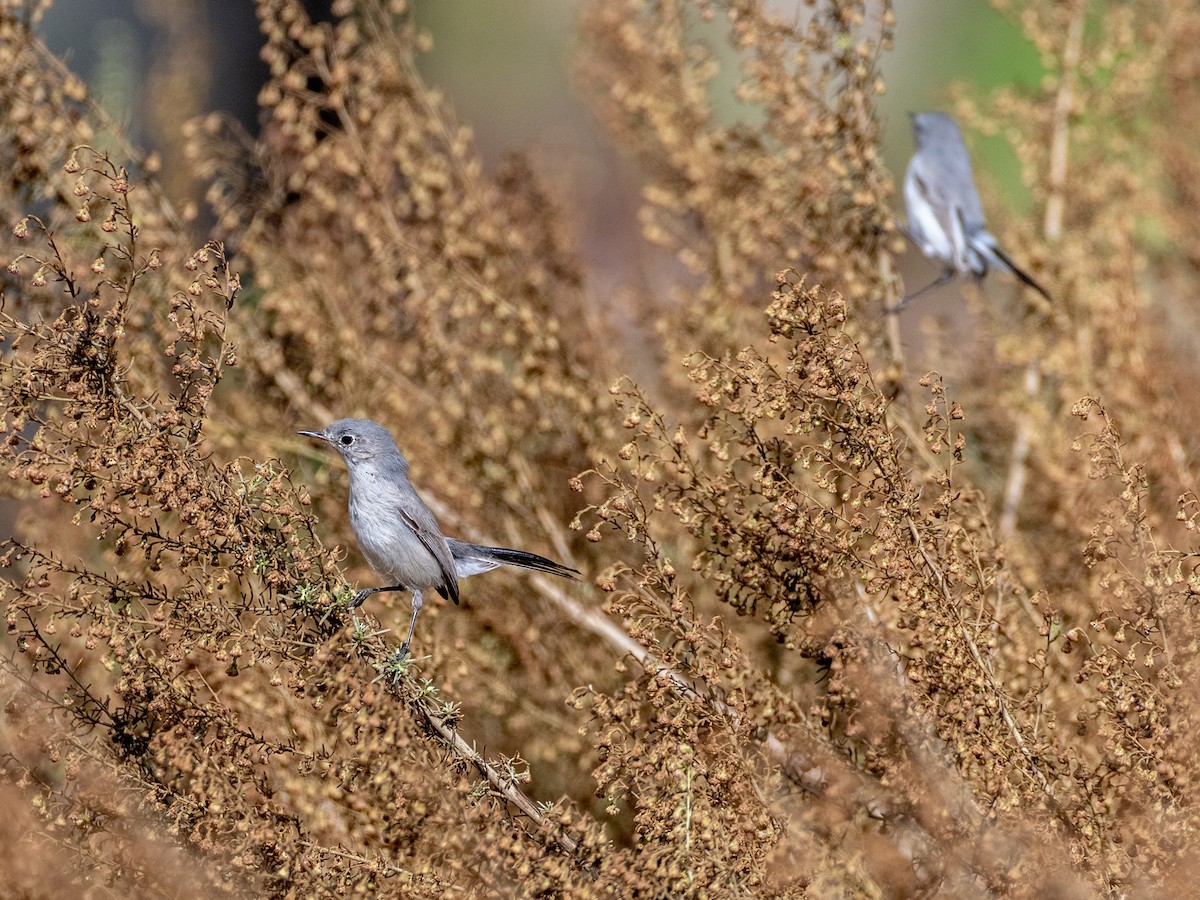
(347, 440)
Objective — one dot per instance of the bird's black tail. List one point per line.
(529, 561)
(1023, 277)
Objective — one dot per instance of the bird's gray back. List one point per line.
(943, 165)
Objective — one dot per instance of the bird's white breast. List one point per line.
(389, 544)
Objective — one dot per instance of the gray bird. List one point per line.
(945, 217)
(395, 529)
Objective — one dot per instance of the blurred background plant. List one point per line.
(877, 606)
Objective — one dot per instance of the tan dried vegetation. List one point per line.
(855, 630)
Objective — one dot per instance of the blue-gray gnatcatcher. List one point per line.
(395, 529)
(945, 217)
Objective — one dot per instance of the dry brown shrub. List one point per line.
(868, 631)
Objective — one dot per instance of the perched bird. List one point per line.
(945, 218)
(396, 530)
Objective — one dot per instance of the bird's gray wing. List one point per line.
(943, 207)
(420, 520)
(953, 201)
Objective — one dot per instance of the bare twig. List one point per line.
(499, 783)
(1014, 488)
(984, 668)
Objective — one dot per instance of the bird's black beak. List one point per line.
(319, 435)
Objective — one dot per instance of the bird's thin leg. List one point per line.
(416, 605)
(946, 275)
(907, 232)
(362, 595)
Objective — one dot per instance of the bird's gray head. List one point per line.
(359, 441)
(931, 129)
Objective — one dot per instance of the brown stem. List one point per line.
(1014, 488)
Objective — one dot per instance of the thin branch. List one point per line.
(1014, 488)
(984, 668)
(499, 783)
